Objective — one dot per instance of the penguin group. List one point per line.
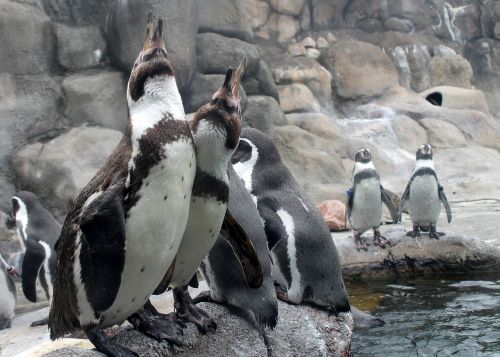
(423, 195)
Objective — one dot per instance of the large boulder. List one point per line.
(288, 7)
(334, 214)
(126, 29)
(263, 113)
(76, 12)
(453, 71)
(410, 135)
(280, 27)
(326, 13)
(57, 170)
(257, 12)
(443, 134)
(225, 17)
(360, 70)
(26, 39)
(262, 83)
(297, 98)
(457, 98)
(97, 98)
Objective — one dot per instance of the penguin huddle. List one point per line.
(423, 195)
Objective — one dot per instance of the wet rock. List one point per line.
(225, 17)
(288, 7)
(410, 135)
(282, 27)
(125, 34)
(76, 12)
(263, 113)
(79, 47)
(257, 12)
(443, 134)
(458, 98)
(334, 214)
(25, 27)
(453, 71)
(97, 98)
(297, 98)
(58, 169)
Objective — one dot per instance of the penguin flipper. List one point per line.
(446, 205)
(244, 250)
(402, 202)
(390, 205)
(103, 246)
(32, 262)
(350, 199)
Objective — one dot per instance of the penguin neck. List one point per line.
(429, 164)
(161, 100)
(21, 222)
(361, 166)
(212, 154)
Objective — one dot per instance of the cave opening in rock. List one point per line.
(435, 98)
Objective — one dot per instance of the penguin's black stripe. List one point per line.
(205, 185)
(363, 175)
(424, 171)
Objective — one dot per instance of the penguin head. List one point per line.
(424, 152)
(22, 202)
(151, 62)
(363, 155)
(224, 110)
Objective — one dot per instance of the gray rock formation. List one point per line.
(263, 113)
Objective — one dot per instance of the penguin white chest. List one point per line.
(154, 228)
(7, 299)
(424, 201)
(205, 220)
(367, 205)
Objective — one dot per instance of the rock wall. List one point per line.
(324, 78)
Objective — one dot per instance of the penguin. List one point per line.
(424, 194)
(117, 238)
(37, 231)
(305, 263)
(365, 198)
(223, 272)
(7, 295)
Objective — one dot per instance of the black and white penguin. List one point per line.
(222, 270)
(117, 238)
(424, 194)
(37, 231)
(7, 295)
(305, 262)
(364, 203)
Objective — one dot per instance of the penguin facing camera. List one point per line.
(7, 295)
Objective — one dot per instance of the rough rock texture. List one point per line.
(443, 134)
(460, 98)
(422, 256)
(261, 83)
(334, 213)
(76, 12)
(280, 27)
(237, 335)
(97, 98)
(257, 12)
(410, 135)
(57, 170)
(451, 71)
(263, 113)
(297, 98)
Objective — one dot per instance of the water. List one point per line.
(441, 317)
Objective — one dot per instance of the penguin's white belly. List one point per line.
(7, 299)
(155, 227)
(366, 210)
(215, 293)
(204, 223)
(424, 201)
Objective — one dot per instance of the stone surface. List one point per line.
(288, 7)
(297, 49)
(398, 24)
(282, 27)
(453, 71)
(58, 169)
(297, 98)
(125, 33)
(97, 98)
(76, 12)
(460, 98)
(325, 12)
(79, 47)
(262, 83)
(360, 71)
(225, 17)
(216, 53)
(263, 113)
(257, 12)
(313, 53)
(26, 39)
(410, 135)
(334, 213)
(318, 124)
(443, 134)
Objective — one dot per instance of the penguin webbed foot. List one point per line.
(360, 243)
(41, 322)
(187, 312)
(379, 240)
(5, 324)
(103, 344)
(158, 326)
(204, 296)
(415, 232)
(433, 234)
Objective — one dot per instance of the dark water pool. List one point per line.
(431, 317)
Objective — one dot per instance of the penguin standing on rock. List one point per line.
(424, 194)
(365, 198)
(7, 295)
(305, 262)
(37, 231)
(126, 225)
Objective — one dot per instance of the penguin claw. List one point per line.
(159, 326)
(361, 244)
(413, 234)
(436, 235)
(187, 312)
(381, 241)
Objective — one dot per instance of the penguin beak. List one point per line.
(154, 37)
(238, 75)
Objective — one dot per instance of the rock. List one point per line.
(444, 51)
(322, 43)
(496, 30)
(334, 213)
(410, 135)
(262, 83)
(458, 98)
(305, 19)
(308, 42)
(79, 47)
(443, 134)
(297, 49)
(125, 34)
(257, 12)
(325, 12)
(400, 60)
(282, 27)
(323, 334)
(216, 53)
(225, 17)
(453, 71)
(203, 88)
(58, 169)
(397, 24)
(297, 98)
(23, 28)
(412, 62)
(288, 7)
(263, 113)
(76, 12)
(360, 71)
(410, 257)
(313, 53)
(96, 98)
(316, 123)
